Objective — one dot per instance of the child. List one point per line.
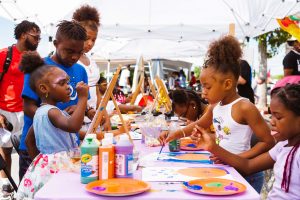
(234, 118)
(284, 157)
(54, 129)
(69, 43)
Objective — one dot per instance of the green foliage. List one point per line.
(197, 71)
(273, 40)
(277, 77)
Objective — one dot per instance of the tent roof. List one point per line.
(164, 28)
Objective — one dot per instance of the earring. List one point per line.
(194, 107)
(46, 95)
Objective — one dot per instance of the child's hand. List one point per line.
(203, 138)
(82, 90)
(216, 160)
(162, 137)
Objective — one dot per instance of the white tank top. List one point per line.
(93, 73)
(232, 136)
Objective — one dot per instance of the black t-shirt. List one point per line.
(246, 89)
(292, 61)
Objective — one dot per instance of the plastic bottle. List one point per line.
(174, 145)
(89, 160)
(106, 159)
(124, 157)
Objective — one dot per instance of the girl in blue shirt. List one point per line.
(54, 129)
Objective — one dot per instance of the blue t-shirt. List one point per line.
(76, 73)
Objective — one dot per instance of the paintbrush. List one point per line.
(162, 147)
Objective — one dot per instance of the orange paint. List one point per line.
(117, 187)
(215, 186)
(190, 156)
(106, 162)
(208, 172)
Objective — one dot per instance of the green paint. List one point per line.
(214, 184)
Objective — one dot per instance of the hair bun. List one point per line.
(31, 60)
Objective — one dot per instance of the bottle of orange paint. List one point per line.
(106, 159)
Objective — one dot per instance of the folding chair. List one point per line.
(3, 167)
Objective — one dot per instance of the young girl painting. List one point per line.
(284, 158)
(53, 128)
(235, 119)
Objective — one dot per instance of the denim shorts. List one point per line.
(256, 180)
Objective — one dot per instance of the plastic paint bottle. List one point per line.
(124, 157)
(106, 159)
(89, 160)
(174, 145)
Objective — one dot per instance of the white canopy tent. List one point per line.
(127, 25)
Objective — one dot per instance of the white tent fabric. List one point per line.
(130, 28)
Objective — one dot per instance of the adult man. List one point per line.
(27, 35)
(291, 62)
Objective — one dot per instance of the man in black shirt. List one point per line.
(291, 62)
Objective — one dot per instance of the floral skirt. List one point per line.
(42, 168)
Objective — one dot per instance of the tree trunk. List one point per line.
(262, 88)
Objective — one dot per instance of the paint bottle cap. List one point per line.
(108, 135)
(106, 141)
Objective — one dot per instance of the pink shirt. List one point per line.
(279, 154)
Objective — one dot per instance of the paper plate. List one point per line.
(187, 144)
(117, 187)
(214, 186)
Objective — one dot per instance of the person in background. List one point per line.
(171, 81)
(244, 81)
(53, 129)
(193, 80)
(118, 94)
(124, 81)
(284, 158)
(235, 119)
(89, 18)
(182, 79)
(28, 36)
(291, 62)
(187, 104)
(69, 42)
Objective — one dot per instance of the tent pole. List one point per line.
(108, 70)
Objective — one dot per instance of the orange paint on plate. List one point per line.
(117, 187)
(208, 172)
(190, 156)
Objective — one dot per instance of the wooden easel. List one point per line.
(162, 90)
(138, 89)
(99, 113)
(152, 88)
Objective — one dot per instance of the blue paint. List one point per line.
(191, 145)
(98, 188)
(192, 187)
(174, 154)
(101, 108)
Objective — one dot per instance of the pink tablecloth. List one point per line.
(66, 185)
